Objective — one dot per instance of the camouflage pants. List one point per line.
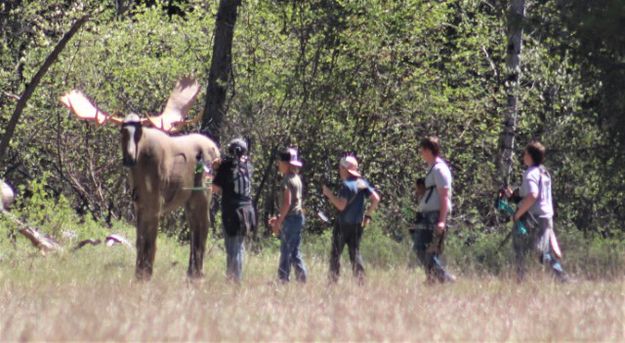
(428, 246)
(538, 238)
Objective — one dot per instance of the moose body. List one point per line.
(163, 177)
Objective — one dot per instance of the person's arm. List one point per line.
(216, 189)
(374, 198)
(218, 179)
(525, 205)
(442, 180)
(339, 203)
(530, 183)
(443, 195)
(284, 210)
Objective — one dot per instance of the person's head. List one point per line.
(237, 147)
(6, 195)
(348, 167)
(534, 154)
(430, 148)
(420, 188)
(289, 162)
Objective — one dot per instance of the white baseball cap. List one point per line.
(350, 164)
(289, 155)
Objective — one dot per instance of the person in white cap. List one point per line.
(290, 221)
(352, 218)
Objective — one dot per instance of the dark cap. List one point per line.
(237, 147)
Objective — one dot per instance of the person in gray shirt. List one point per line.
(434, 208)
(535, 210)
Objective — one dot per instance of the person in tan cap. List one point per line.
(352, 218)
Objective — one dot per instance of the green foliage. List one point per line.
(52, 214)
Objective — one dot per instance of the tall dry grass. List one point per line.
(91, 296)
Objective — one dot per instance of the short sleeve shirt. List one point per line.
(439, 176)
(538, 181)
(293, 183)
(234, 179)
(355, 191)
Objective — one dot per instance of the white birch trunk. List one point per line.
(516, 16)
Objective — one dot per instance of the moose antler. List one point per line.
(84, 109)
(178, 105)
(172, 118)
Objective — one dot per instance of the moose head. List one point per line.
(131, 131)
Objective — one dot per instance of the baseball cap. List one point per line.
(290, 155)
(350, 164)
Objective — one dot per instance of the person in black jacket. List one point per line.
(233, 181)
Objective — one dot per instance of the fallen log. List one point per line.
(43, 242)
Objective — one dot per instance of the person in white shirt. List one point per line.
(535, 211)
(434, 208)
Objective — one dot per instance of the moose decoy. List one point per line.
(163, 170)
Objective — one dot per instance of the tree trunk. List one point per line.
(34, 82)
(516, 18)
(221, 67)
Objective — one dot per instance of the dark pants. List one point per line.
(349, 234)
(428, 247)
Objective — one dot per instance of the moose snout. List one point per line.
(129, 161)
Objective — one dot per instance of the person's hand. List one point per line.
(272, 220)
(215, 164)
(508, 192)
(275, 224)
(366, 221)
(326, 191)
(440, 228)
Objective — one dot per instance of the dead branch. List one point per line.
(89, 241)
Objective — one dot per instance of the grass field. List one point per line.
(91, 295)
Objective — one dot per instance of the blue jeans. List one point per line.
(234, 252)
(290, 253)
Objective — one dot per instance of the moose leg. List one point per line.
(197, 214)
(147, 226)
